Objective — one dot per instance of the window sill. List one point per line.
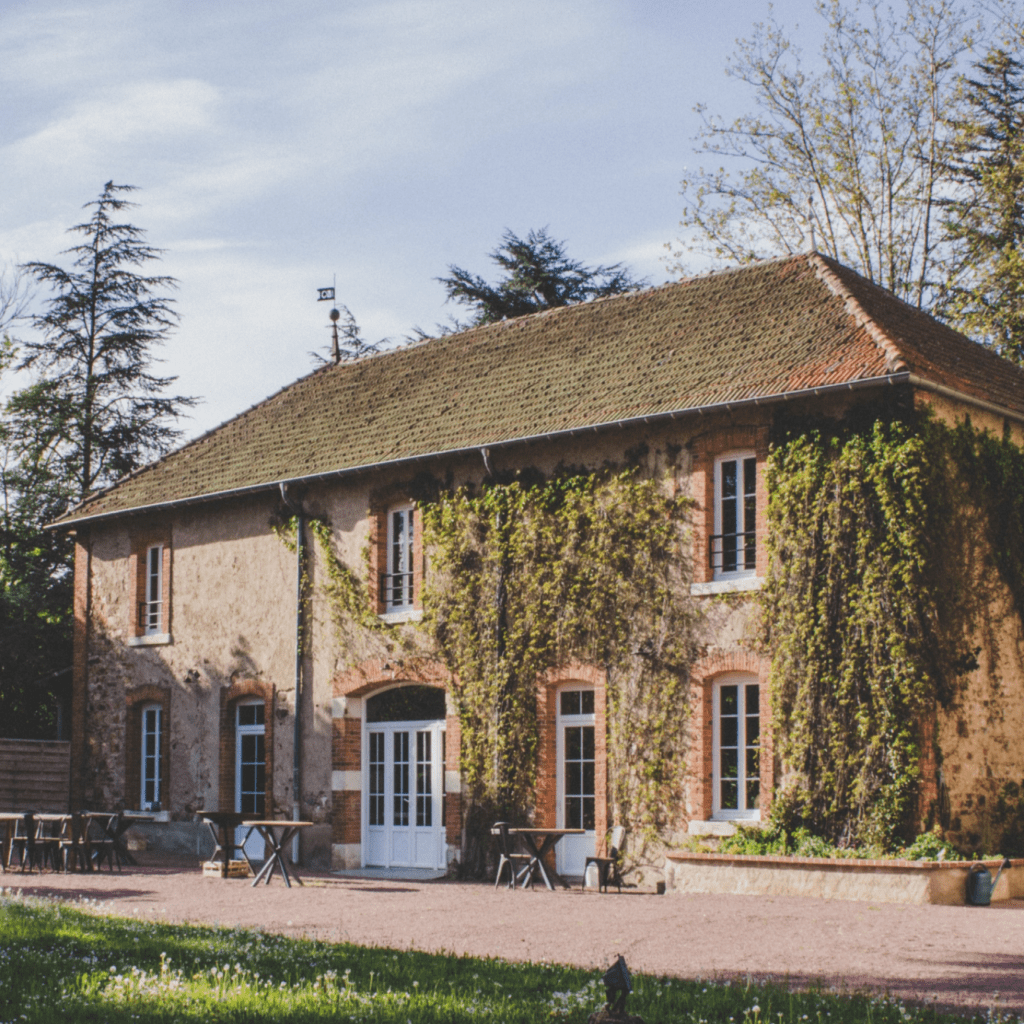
(739, 585)
(406, 615)
(147, 816)
(150, 640)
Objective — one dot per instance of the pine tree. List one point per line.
(538, 275)
(95, 411)
(985, 219)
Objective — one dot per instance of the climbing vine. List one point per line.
(869, 606)
(346, 594)
(344, 591)
(527, 576)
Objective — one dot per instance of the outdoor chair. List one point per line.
(23, 840)
(74, 844)
(42, 839)
(102, 843)
(510, 859)
(608, 866)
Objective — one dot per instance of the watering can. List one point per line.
(980, 885)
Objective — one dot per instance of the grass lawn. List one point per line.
(62, 963)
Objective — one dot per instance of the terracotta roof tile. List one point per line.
(766, 329)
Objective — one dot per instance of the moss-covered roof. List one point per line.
(768, 329)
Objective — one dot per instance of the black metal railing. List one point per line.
(733, 552)
(396, 589)
(149, 616)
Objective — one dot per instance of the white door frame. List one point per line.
(740, 680)
(254, 845)
(436, 728)
(572, 848)
(158, 711)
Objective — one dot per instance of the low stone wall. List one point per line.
(880, 881)
(176, 838)
(193, 839)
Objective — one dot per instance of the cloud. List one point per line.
(278, 144)
(122, 117)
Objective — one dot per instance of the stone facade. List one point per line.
(229, 607)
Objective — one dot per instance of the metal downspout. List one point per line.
(297, 734)
(300, 527)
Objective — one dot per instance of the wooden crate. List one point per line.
(236, 869)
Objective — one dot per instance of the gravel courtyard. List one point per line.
(957, 955)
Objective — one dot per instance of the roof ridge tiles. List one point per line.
(831, 280)
(617, 296)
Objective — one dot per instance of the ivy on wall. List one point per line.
(873, 592)
(527, 576)
(360, 631)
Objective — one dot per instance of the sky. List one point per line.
(280, 146)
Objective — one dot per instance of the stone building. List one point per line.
(190, 693)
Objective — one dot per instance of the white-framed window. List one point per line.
(397, 580)
(151, 611)
(250, 758)
(734, 542)
(151, 783)
(736, 704)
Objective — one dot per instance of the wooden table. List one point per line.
(227, 822)
(540, 842)
(114, 825)
(277, 844)
(61, 830)
(121, 827)
(66, 831)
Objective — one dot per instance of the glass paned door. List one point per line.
(404, 782)
(737, 743)
(250, 771)
(151, 758)
(577, 803)
(424, 779)
(735, 546)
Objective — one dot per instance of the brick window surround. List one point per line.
(138, 570)
(551, 684)
(380, 507)
(229, 698)
(137, 699)
(706, 450)
(700, 795)
(364, 680)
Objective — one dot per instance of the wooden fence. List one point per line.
(35, 775)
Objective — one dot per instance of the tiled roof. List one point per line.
(768, 329)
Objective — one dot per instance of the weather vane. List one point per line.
(327, 295)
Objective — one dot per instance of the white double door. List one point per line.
(403, 787)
